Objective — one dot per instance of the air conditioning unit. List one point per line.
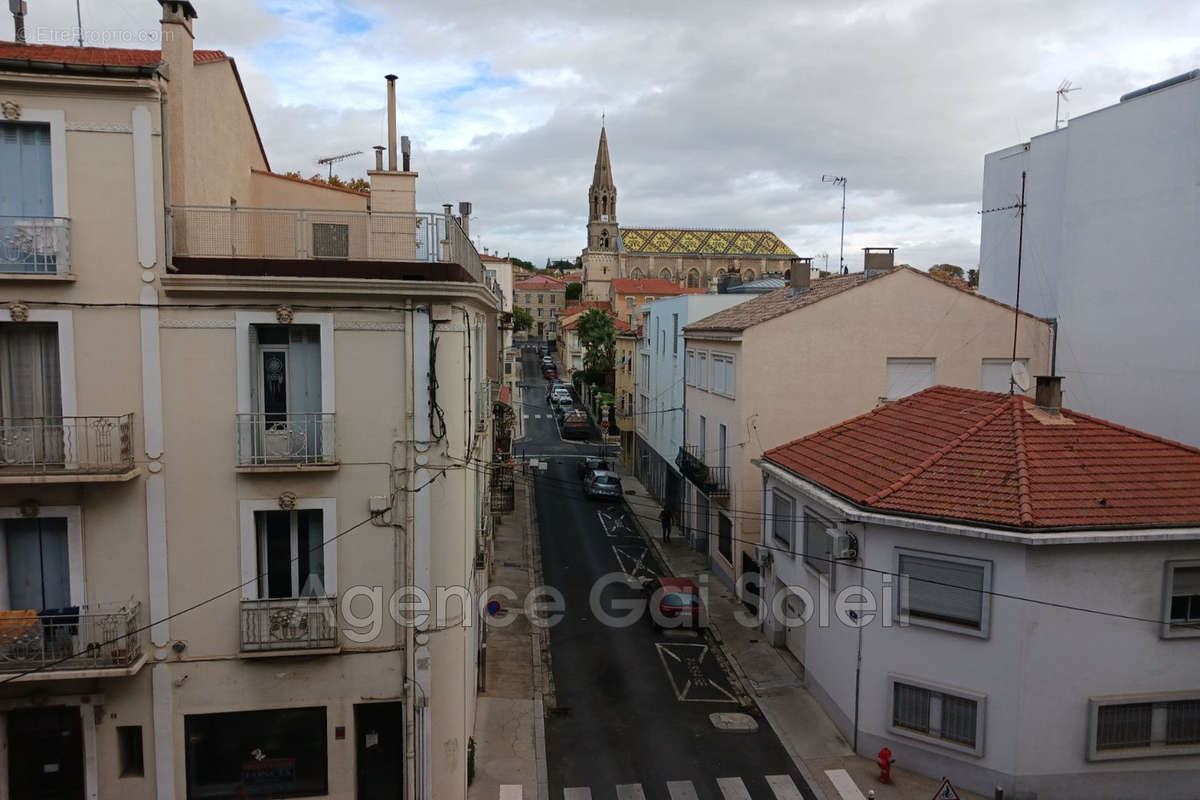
(842, 544)
(763, 555)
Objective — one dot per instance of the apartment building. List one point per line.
(275, 462)
(1109, 233)
(1019, 588)
(625, 390)
(631, 294)
(791, 361)
(499, 270)
(544, 298)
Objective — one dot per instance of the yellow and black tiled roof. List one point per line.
(698, 242)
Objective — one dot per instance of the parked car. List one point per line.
(557, 392)
(674, 602)
(550, 374)
(592, 463)
(575, 425)
(603, 485)
(564, 406)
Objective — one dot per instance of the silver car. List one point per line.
(603, 485)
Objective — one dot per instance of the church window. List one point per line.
(636, 274)
(604, 205)
(748, 275)
(595, 210)
(693, 279)
(720, 272)
(665, 274)
(604, 238)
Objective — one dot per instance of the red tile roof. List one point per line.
(490, 257)
(583, 305)
(996, 459)
(572, 324)
(96, 56)
(540, 282)
(650, 286)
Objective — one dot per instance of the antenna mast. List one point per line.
(331, 160)
(1020, 208)
(1060, 97)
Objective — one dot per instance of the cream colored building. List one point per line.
(625, 389)
(219, 550)
(544, 298)
(795, 360)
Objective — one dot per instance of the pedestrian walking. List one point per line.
(665, 518)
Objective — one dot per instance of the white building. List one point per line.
(1050, 577)
(1110, 245)
(660, 386)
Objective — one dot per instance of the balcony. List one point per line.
(287, 624)
(102, 640)
(261, 242)
(268, 440)
(713, 481)
(35, 247)
(66, 449)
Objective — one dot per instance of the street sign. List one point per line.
(604, 425)
(946, 791)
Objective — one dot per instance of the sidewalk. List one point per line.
(509, 722)
(775, 680)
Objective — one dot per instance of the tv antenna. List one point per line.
(331, 160)
(1061, 95)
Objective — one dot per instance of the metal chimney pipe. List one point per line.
(406, 152)
(464, 213)
(379, 157)
(19, 9)
(391, 113)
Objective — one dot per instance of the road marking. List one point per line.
(691, 656)
(510, 791)
(733, 789)
(783, 787)
(577, 793)
(537, 416)
(524, 416)
(631, 558)
(845, 785)
(682, 790)
(630, 791)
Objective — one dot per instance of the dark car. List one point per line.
(674, 603)
(591, 464)
(550, 373)
(602, 485)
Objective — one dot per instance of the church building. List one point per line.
(688, 257)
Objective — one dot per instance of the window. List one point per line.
(130, 753)
(1135, 726)
(722, 441)
(540, 299)
(702, 370)
(816, 545)
(725, 537)
(539, 311)
(701, 439)
(782, 511)
(690, 367)
(907, 376)
(693, 279)
(277, 753)
(1181, 599)
(926, 711)
(996, 374)
(723, 374)
(38, 559)
(941, 591)
(636, 274)
(290, 553)
(30, 238)
(674, 334)
(30, 393)
(665, 274)
(528, 299)
(630, 301)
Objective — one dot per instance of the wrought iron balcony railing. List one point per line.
(264, 439)
(267, 233)
(43, 445)
(101, 636)
(713, 481)
(289, 623)
(35, 245)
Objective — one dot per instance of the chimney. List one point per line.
(177, 38)
(1048, 395)
(878, 260)
(379, 157)
(464, 211)
(801, 271)
(406, 153)
(19, 10)
(391, 119)
(729, 280)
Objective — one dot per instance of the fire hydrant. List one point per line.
(885, 765)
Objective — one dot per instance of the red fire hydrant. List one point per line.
(885, 765)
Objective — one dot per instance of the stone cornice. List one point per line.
(339, 287)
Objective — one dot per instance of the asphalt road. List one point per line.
(633, 702)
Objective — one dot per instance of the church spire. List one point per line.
(602, 201)
(602, 177)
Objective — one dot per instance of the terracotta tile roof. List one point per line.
(996, 459)
(584, 305)
(96, 56)
(660, 286)
(490, 257)
(572, 324)
(708, 242)
(774, 304)
(540, 282)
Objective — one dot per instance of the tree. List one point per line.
(522, 319)
(598, 336)
(520, 262)
(947, 272)
(973, 278)
(574, 290)
(357, 184)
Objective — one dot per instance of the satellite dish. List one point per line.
(1020, 376)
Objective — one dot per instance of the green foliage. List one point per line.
(357, 184)
(522, 319)
(598, 336)
(520, 262)
(574, 290)
(944, 271)
(973, 277)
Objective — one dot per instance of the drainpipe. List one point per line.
(165, 142)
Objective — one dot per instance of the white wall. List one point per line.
(1111, 242)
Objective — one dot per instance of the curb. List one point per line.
(543, 676)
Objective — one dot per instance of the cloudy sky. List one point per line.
(719, 113)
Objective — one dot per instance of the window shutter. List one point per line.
(1186, 581)
(934, 589)
(907, 376)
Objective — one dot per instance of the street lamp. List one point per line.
(837, 180)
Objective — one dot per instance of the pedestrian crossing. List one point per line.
(782, 787)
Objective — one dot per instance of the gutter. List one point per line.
(948, 526)
(164, 140)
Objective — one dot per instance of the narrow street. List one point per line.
(633, 703)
